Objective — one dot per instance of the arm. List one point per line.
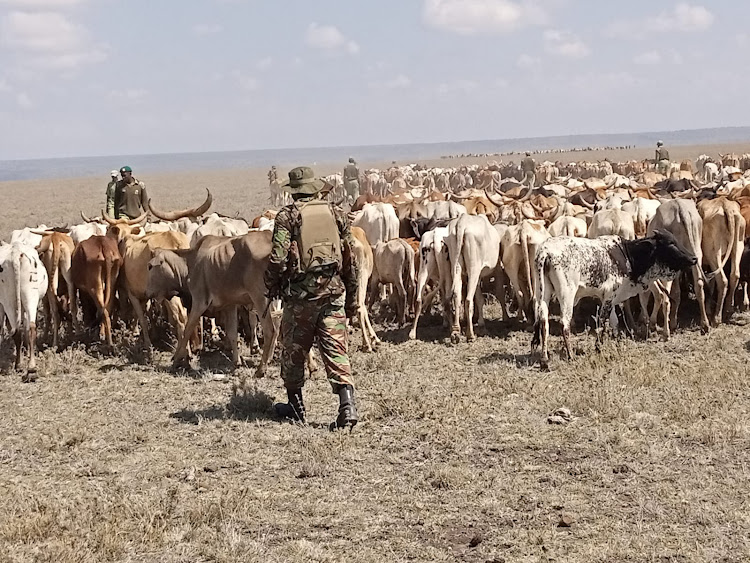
(281, 244)
(144, 197)
(116, 202)
(111, 200)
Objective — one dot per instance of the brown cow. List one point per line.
(95, 266)
(56, 251)
(362, 252)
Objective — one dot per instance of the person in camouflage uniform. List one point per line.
(316, 304)
(661, 158)
(351, 180)
(528, 166)
(111, 193)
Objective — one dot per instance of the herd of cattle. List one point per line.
(603, 230)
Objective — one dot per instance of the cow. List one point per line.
(219, 226)
(474, 248)
(379, 222)
(29, 236)
(95, 266)
(88, 229)
(137, 250)
(394, 264)
(642, 210)
(56, 252)
(23, 283)
(722, 242)
(566, 226)
(609, 268)
(222, 273)
(433, 267)
(612, 222)
(519, 246)
(362, 253)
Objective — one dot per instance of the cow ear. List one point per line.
(136, 231)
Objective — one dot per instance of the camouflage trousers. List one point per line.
(301, 323)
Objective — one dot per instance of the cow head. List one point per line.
(661, 251)
(121, 228)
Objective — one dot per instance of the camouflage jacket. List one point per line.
(528, 164)
(131, 199)
(662, 154)
(281, 277)
(351, 172)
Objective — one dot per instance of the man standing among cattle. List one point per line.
(111, 193)
(130, 199)
(313, 271)
(351, 180)
(528, 167)
(661, 158)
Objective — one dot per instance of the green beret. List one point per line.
(125, 169)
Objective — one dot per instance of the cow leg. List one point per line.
(138, 307)
(32, 344)
(53, 318)
(500, 280)
(181, 356)
(176, 314)
(643, 298)
(230, 325)
(604, 313)
(629, 319)
(401, 303)
(312, 363)
(699, 294)
(479, 302)
(745, 298)
(270, 336)
(663, 300)
(18, 341)
(457, 295)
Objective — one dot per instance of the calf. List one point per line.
(362, 252)
(433, 267)
(519, 246)
(610, 268)
(394, 264)
(23, 282)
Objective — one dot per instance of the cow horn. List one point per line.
(41, 233)
(587, 204)
(83, 216)
(140, 220)
(498, 202)
(175, 215)
(108, 219)
(527, 195)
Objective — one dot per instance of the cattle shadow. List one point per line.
(247, 406)
(521, 361)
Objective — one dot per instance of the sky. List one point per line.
(98, 77)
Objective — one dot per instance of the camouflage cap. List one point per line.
(302, 180)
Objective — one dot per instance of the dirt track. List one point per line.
(112, 459)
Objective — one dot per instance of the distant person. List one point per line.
(274, 187)
(111, 192)
(131, 200)
(351, 180)
(528, 167)
(661, 158)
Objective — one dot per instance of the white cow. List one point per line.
(474, 249)
(612, 222)
(567, 226)
(23, 283)
(642, 210)
(433, 267)
(378, 221)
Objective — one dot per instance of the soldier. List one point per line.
(111, 193)
(528, 166)
(313, 271)
(131, 200)
(351, 180)
(661, 158)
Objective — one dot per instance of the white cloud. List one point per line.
(246, 82)
(40, 4)
(470, 17)
(4, 86)
(24, 101)
(460, 86)
(742, 39)
(128, 95)
(527, 62)
(203, 29)
(49, 40)
(398, 82)
(329, 38)
(648, 58)
(683, 17)
(265, 63)
(565, 44)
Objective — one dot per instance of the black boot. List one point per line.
(347, 409)
(293, 410)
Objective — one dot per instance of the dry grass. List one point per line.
(104, 459)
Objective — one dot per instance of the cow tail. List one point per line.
(53, 274)
(409, 272)
(108, 281)
(540, 305)
(695, 244)
(15, 255)
(460, 231)
(526, 262)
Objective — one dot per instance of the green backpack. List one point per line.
(319, 243)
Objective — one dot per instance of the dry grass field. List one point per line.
(109, 458)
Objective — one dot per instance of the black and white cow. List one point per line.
(609, 268)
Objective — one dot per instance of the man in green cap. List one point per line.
(111, 193)
(312, 269)
(351, 180)
(131, 200)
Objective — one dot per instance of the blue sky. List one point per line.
(90, 77)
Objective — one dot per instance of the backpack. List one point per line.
(319, 242)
